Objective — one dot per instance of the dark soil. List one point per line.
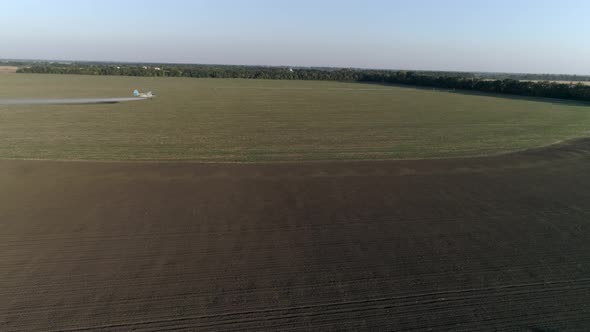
(498, 243)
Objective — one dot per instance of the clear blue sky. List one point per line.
(538, 36)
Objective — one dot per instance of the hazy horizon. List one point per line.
(505, 36)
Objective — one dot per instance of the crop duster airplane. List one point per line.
(63, 101)
(143, 95)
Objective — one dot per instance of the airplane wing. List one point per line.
(65, 101)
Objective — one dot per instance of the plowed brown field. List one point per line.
(498, 243)
(8, 69)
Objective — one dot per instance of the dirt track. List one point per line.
(467, 244)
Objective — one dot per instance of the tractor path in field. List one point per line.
(460, 244)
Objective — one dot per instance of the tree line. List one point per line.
(533, 85)
(545, 89)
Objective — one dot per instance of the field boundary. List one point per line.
(580, 145)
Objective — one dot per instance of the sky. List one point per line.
(524, 36)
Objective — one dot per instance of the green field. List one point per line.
(252, 120)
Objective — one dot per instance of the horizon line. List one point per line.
(281, 66)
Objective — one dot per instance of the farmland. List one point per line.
(7, 69)
(562, 82)
(336, 236)
(480, 244)
(261, 120)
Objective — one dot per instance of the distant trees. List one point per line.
(575, 91)
(515, 84)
